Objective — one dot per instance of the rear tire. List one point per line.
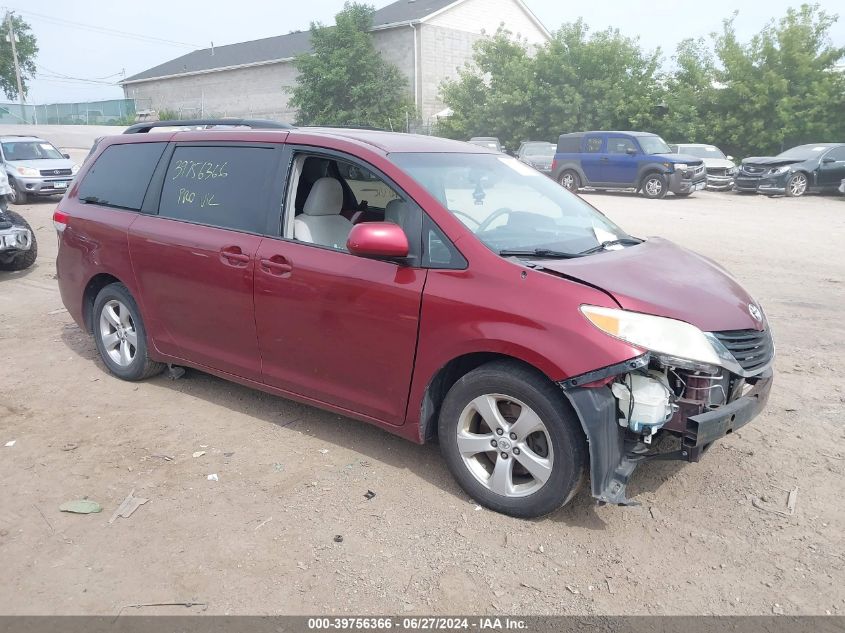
(570, 180)
(120, 335)
(24, 259)
(654, 186)
(539, 458)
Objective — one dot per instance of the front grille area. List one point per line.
(717, 171)
(752, 349)
(55, 172)
(752, 170)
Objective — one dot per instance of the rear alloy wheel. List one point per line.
(796, 186)
(511, 441)
(654, 186)
(120, 335)
(570, 180)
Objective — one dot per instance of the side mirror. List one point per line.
(631, 151)
(66, 155)
(828, 159)
(378, 240)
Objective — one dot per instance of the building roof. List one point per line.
(280, 47)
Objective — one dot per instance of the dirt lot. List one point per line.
(261, 539)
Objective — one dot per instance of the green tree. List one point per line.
(27, 48)
(781, 89)
(345, 81)
(577, 81)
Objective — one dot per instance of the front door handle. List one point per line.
(276, 265)
(234, 256)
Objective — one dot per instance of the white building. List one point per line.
(428, 40)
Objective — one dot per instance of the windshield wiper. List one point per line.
(624, 241)
(538, 252)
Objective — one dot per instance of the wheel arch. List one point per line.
(92, 289)
(648, 169)
(445, 377)
(570, 166)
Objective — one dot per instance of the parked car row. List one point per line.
(644, 162)
(35, 167)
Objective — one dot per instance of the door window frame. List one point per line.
(283, 229)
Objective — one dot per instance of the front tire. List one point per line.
(17, 196)
(654, 186)
(797, 185)
(511, 441)
(120, 335)
(570, 180)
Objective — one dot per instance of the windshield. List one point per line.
(653, 145)
(701, 151)
(509, 205)
(30, 150)
(804, 152)
(540, 150)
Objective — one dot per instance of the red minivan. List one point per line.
(439, 290)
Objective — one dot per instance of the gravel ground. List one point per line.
(262, 539)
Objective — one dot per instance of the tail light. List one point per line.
(554, 164)
(60, 219)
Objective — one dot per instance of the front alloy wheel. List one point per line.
(797, 185)
(511, 440)
(505, 445)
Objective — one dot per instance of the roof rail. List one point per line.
(256, 124)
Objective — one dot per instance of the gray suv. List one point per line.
(35, 167)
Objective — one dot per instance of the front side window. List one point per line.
(619, 145)
(121, 175)
(222, 186)
(30, 150)
(837, 154)
(507, 204)
(329, 195)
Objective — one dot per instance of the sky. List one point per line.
(83, 45)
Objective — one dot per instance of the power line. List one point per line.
(106, 31)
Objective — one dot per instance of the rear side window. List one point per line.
(226, 187)
(593, 144)
(121, 175)
(569, 144)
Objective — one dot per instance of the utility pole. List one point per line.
(11, 39)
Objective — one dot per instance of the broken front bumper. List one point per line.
(615, 452)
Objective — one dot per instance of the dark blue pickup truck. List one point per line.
(625, 160)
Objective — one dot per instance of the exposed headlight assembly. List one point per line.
(668, 337)
(681, 166)
(779, 170)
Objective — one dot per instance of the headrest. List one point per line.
(326, 198)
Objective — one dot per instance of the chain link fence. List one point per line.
(109, 112)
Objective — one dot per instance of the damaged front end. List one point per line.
(657, 406)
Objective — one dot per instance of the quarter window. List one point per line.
(593, 144)
(121, 175)
(227, 187)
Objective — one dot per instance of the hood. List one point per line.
(43, 163)
(772, 161)
(539, 161)
(719, 163)
(661, 278)
(682, 158)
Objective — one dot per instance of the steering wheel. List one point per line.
(482, 226)
(466, 215)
